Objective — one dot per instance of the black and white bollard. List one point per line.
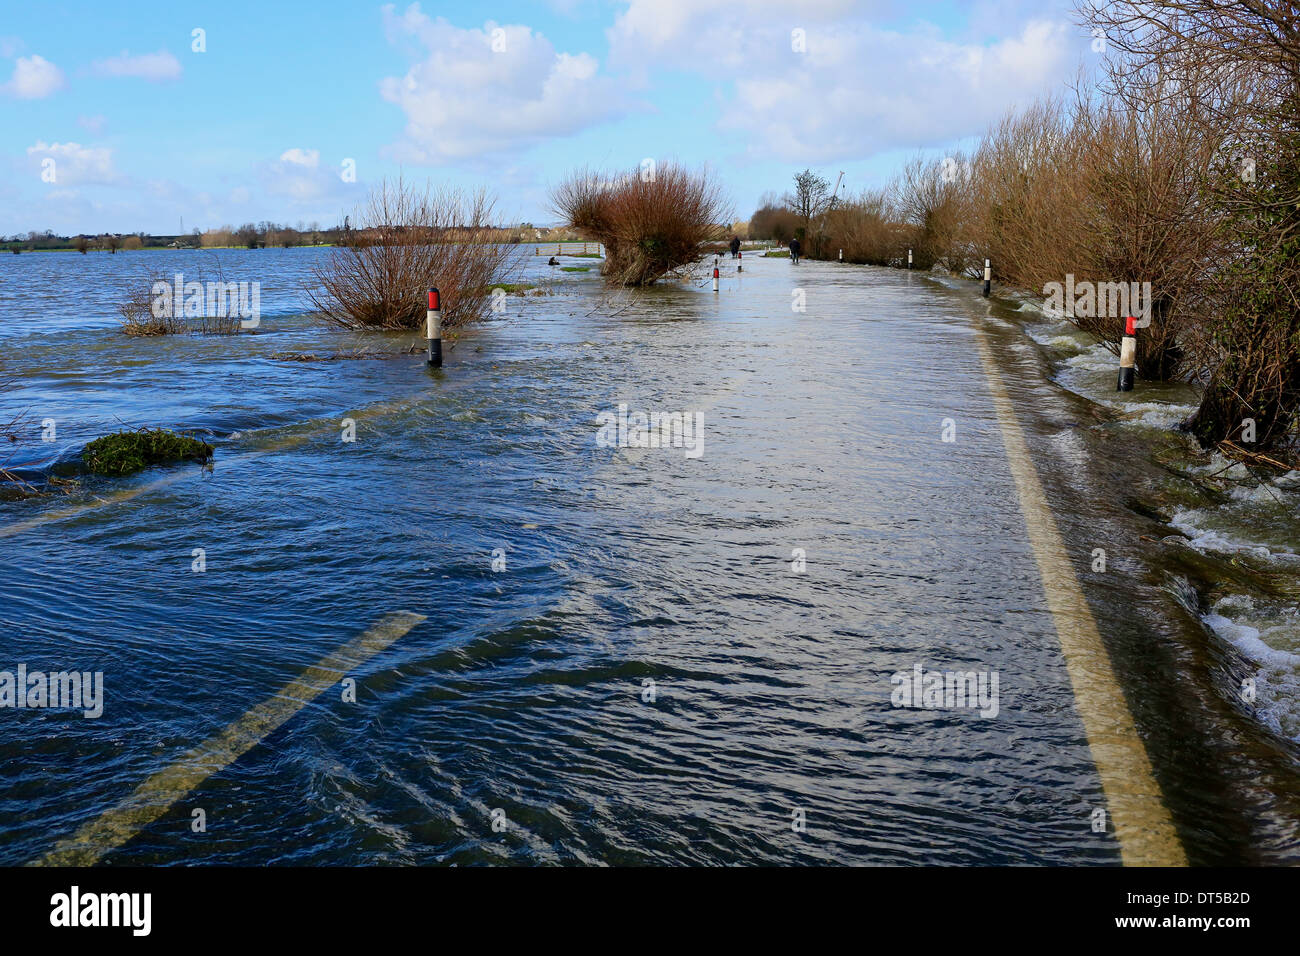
(909, 258)
(988, 278)
(433, 320)
(1127, 355)
(715, 273)
(841, 255)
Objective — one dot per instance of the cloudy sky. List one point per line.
(133, 117)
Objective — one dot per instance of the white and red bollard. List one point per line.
(909, 258)
(1127, 355)
(740, 261)
(433, 322)
(715, 273)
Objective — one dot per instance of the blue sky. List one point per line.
(113, 122)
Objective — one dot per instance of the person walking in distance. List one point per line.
(735, 246)
(794, 251)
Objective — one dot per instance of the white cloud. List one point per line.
(34, 78)
(155, 67)
(92, 124)
(490, 90)
(301, 157)
(75, 164)
(856, 88)
(298, 175)
(718, 35)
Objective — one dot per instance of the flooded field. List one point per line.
(622, 655)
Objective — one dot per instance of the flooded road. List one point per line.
(616, 655)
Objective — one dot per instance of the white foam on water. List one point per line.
(1168, 415)
(1061, 336)
(1263, 639)
(1266, 493)
(1192, 523)
(1247, 639)
(1094, 359)
(1066, 343)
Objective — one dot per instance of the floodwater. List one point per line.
(626, 655)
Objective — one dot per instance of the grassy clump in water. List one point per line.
(575, 268)
(125, 453)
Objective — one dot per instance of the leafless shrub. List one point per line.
(931, 198)
(146, 312)
(648, 225)
(773, 220)
(1236, 64)
(405, 240)
(867, 230)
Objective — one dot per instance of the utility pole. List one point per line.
(835, 194)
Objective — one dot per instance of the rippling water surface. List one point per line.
(646, 680)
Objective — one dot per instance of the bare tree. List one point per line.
(809, 198)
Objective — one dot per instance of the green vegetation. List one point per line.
(575, 268)
(125, 453)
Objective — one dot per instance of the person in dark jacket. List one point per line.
(794, 251)
(735, 246)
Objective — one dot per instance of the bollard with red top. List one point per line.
(434, 328)
(715, 273)
(740, 263)
(1127, 355)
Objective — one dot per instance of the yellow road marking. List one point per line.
(164, 789)
(1143, 826)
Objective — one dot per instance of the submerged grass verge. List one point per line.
(125, 453)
